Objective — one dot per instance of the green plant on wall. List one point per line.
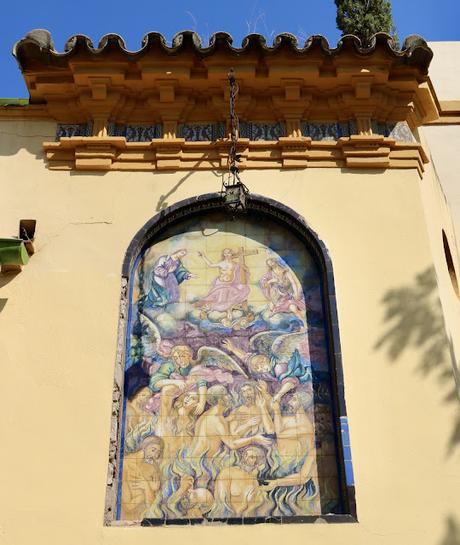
(364, 18)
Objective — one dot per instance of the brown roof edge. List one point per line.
(38, 45)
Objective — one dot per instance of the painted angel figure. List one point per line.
(182, 373)
(173, 370)
(167, 274)
(276, 355)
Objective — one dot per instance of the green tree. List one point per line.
(364, 18)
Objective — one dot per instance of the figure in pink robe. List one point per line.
(230, 289)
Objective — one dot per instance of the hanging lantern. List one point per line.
(233, 189)
(235, 196)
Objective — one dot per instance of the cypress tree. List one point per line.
(364, 18)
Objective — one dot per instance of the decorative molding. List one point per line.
(288, 95)
(210, 132)
(186, 85)
(328, 130)
(445, 120)
(201, 132)
(115, 153)
(67, 131)
(262, 131)
(449, 112)
(136, 133)
(29, 111)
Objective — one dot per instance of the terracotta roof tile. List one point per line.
(38, 46)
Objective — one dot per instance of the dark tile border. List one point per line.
(250, 521)
(280, 213)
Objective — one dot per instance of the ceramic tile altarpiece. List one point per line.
(228, 410)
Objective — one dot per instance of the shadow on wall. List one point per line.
(6, 278)
(414, 319)
(163, 199)
(452, 532)
(28, 135)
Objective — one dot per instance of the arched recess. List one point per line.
(314, 483)
(450, 263)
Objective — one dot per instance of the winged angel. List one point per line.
(180, 373)
(279, 356)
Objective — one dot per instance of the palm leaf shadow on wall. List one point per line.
(414, 319)
(452, 532)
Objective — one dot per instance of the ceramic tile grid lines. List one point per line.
(206, 324)
(264, 424)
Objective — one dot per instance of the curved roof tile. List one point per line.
(38, 45)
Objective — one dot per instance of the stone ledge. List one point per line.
(114, 153)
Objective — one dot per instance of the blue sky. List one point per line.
(435, 20)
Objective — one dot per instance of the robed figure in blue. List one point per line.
(167, 273)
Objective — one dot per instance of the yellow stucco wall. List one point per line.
(58, 333)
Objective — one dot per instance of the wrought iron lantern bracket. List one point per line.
(233, 189)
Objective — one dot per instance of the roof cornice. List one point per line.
(38, 45)
(185, 82)
(86, 83)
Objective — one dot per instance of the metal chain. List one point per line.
(233, 189)
(235, 125)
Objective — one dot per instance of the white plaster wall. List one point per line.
(443, 144)
(445, 69)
